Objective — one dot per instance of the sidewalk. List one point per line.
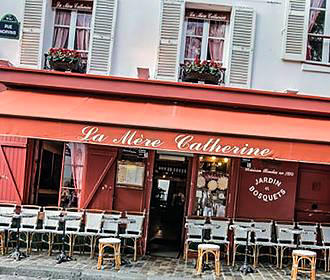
(40, 266)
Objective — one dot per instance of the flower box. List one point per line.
(64, 59)
(200, 77)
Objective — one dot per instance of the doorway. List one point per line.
(48, 175)
(167, 205)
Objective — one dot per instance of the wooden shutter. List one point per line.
(295, 33)
(172, 12)
(241, 47)
(30, 48)
(104, 18)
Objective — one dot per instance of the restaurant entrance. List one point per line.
(167, 205)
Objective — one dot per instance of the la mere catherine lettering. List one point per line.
(183, 142)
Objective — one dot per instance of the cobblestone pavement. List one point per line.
(40, 266)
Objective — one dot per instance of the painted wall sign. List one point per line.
(201, 14)
(267, 190)
(80, 5)
(9, 27)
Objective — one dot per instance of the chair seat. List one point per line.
(312, 246)
(41, 230)
(241, 242)
(265, 243)
(303, 253)
(219, 241)
(84, 233)
(129, 235)
(207, 246)
(195, 240)
(109, 240)
(291, 245)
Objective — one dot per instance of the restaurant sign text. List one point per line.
(180, 142)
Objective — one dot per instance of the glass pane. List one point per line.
(62, 17)
(316, 22)
(314, 48)
(193, 47)
(217, 29)
(212, 186)
(195, 27)
(84, 20)
(215, 50)
(81, 41)
(318, 3)
(61, 37)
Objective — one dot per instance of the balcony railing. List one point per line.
(81, 67)
(205, 78)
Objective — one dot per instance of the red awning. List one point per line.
(19, 108)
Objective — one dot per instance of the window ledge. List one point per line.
(312, 67)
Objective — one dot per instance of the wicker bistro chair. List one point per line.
(28, 225)
(50, 227)
(285, 240)
(72, 227)
(110, 223)
(325, 236)
(134, 230)
(263, 239)
(92, 230)
(219, 234)
(5, 224)
(240, 236)
(194, 234)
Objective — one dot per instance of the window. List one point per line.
(74, 159)
(72, 30)
(205, 35)
(212, 186)
(318, 32)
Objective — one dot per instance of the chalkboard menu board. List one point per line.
(130, 173)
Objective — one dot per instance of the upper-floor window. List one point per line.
(205, 35)
(72, 30)
(318, 32)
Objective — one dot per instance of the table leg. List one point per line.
(246, 268)
(62, 257)
(17, 254)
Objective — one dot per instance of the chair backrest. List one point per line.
(6, 208)
(239, 233)
(284, 236)
(137, 226)
(219, 230)
(110, 223)
(309, 236)
(51, 224)
(266, 233)
(30, 222)
(193, 225)
(325, 234)
(74, 225)
(93, 222)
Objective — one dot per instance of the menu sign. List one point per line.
(9, 27)
(80, 5)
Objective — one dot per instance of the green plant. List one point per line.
(63, 55)
(205, 66)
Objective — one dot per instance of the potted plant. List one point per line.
(207, 71)
(64, 59)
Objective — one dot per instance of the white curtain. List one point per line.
(82, 35)
(61, 33)
(217, 29)
(78, 153)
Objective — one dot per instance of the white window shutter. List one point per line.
(241, 47)
(101, 45)
(171, 21)
(30, 45)
(295, 33)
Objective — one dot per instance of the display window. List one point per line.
(212, 186)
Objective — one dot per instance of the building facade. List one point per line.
(254, 145)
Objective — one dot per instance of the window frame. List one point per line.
(205, 38)
(326, 41)
(72, 29)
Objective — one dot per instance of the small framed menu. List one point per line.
(130, 174)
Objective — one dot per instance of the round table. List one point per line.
(17, 254)
(246, 268)
(62, 257)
